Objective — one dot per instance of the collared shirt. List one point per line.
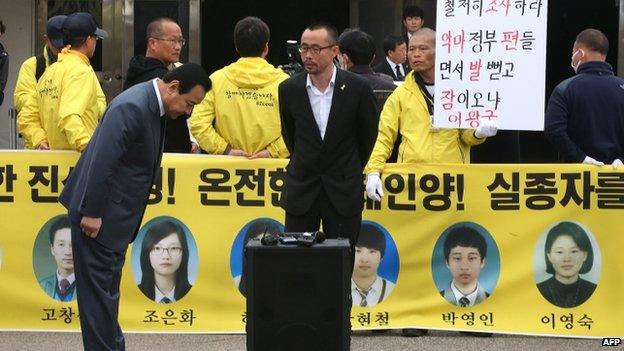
(471, 297)
(158, 296)
(160, 103)
(394, 64)
(373, 294)
(321, 102)
(71, 278)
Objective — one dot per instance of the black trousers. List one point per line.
(335, 225)
(98, 275)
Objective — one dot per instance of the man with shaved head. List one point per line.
(412, 105)
(585, 113)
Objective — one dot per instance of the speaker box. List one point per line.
(298, 298)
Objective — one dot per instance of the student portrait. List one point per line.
(376, 266)
(255, 229)
(465, 264)
(53, 259)
(166, 254)
(567, 265)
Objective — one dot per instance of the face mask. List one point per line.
(575, 67)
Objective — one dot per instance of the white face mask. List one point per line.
(575, 67)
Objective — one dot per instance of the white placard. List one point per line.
(490, 63)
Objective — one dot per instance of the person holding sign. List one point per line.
(409, 112)
(585, 114)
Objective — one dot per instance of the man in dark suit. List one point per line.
(329, 124)
(394, 63)
(106, 193)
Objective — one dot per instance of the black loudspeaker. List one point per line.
(298, 298)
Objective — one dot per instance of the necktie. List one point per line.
(463, 301)
(64, 285)
(165, 300)
(398, 72)
(363, 303)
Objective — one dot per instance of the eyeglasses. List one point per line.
(180, 41)
(314, 49)
(173, 251)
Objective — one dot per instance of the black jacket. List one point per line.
(142, 69)
(384, 67)
(4, 71)
(336, 162)
(585, 115)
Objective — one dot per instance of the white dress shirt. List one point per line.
(160, 103)
(321, 102)
(471, 297)
(158, 296)
(393, 65)
(373, 294)
(70, 278)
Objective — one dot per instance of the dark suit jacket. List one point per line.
(336, 162)
(385, 68)
(115, 172)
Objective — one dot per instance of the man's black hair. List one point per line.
(332, 33)
(391, 42)
(189, 75)
(466, 237)
(251, 35)
(594, 40)
(358, 45)
(413, 11)
(60, 223)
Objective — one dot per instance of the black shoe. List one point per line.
(411, 332)
(478, 334)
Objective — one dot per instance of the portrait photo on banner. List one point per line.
(254, 229)
(566, 264)
(465, 264)
(164, 259)
(376, 266)
(53, 261)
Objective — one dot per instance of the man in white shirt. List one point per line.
(464, 251)
(395, 62)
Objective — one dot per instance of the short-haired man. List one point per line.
(32, 69)
(367, 287)
(413, 19)
(65, 108)
(464, 252)
(394, 64)
(357, 51)
(585, 114)
(412, 105)
(240, 114)
(106, 193)
(164, 44)
(61, 285)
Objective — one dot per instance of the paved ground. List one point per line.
(436, 340)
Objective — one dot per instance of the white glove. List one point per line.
(374, 189)
(486, 129)
(617, 163)
(590, 161)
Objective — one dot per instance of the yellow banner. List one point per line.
(529, 249)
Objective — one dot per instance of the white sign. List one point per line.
(490, 63)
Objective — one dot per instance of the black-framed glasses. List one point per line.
(173, 251)
(180, 41)
(314, 49)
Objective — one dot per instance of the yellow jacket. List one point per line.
(405, 112)
(26, 81)
(65, 107)
(241, 110)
